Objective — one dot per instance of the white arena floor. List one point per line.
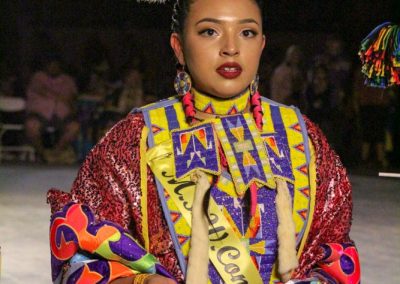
(24, 222)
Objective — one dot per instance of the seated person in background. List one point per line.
(91, 103)
(50, 122)
(120, 102)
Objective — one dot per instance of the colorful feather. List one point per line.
(380, 56)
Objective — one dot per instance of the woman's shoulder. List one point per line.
(129, 129)
(125, 131)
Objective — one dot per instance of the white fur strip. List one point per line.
(286, 231)
(197, 271)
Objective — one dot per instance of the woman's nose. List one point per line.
(230, 47)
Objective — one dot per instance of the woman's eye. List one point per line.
(249, 33)
(208, 32)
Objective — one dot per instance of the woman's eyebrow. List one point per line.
(212, 20)
(249, 20)
(217, 21)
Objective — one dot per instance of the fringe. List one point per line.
(197, 271)
(287, 259)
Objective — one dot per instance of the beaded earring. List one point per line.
(183, 85)
(183, 82)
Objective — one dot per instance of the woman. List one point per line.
(219, 159)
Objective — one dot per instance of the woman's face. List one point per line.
(221, 45)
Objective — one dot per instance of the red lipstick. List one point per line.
(230, 70)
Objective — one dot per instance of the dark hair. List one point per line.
(181, 10)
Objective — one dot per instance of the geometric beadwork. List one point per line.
(303, 169)
(195, 148)
(296, 127)
(303, 213)
(279, 155)
(305, 191)
(217, 106)
(247, 158)
(182, 83)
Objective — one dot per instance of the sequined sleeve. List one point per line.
(109, 184)
(329, 252)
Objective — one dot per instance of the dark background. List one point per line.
(81, 32)
(29, 28)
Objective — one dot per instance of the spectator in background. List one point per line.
(288, 79)
(50, 119)
(373, 108)
(120, 102)
(96, 65)
(100, 84)
(339, 67)
(130, 94)
(96, 89)
(318, 101)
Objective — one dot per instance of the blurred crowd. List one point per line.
(66, 113)
(360, 122)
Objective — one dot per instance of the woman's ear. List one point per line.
(176, 44)
(264, 41)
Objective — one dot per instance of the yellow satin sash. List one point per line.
(227, 253)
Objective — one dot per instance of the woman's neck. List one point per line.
(210, 105)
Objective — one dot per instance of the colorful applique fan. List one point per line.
(380, 56)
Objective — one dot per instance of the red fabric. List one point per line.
(333, 208)
(109, 183)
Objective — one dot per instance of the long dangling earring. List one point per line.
(255, 101)
(183, 85)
